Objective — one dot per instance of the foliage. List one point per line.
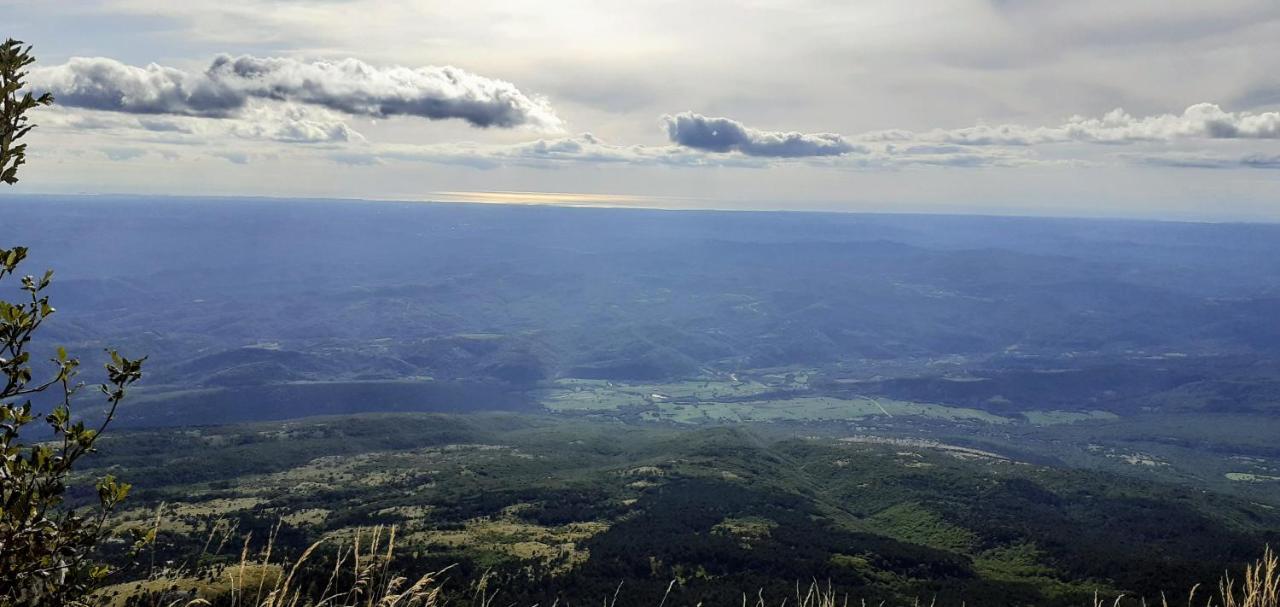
(14, 58)
(45, 546)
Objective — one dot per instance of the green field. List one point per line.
(708, 401)
(603, 395)
(1049, 418)
(813, 408)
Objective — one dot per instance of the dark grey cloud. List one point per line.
(726, 135)
(100, 83)
(348, 85)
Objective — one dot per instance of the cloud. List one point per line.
(123, 154)
(1211, 161)
(348, 85)
(544, 153)
(233, 157)
(293, 124)
(1261, 161)
(589, 149)
(726, 135)
(355, 158)
(1202, 120)
(295, 102)
(259, 120)
(162, 125)
(101, 83)
(355, 87)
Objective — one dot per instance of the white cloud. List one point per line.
(259, 121)
(355, 87)
(291, 123)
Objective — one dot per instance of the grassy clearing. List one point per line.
(918, 525)
(1053, 418)
(506, 539)
(307, 517)
(604, 395)
(1024, 562)
(183, 517)
(747, 530)
(372, 470)
(814, 408)
(1248, 477)
(712, 401)
(578, 397)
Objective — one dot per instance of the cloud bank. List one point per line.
(1208, 161)
(543, 153)
(726, 135)
(284, 123)
(588, 149)
(985, 145)
(1202, 120)
(349, 85)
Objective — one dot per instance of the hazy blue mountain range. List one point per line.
(237, 293)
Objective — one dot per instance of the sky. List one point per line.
(1166, 110)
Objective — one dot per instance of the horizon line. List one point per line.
(587, 200)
